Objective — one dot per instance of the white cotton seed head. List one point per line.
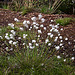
(72, 58)
(14, 43)
(10, 42)
(38, 36)
(57, 47)
(33, 41)
(64, 60)
(61, 44)
(60, 37)
(52, 21)
(26, 25)
(44, 28)
(15, 19)
(58, 57)
(61, 29)
(66, 38)
(21, 28)
(49, 34)
(37, 44)
(42, 20)
(19, 37)
(41, 25)
(47, 40)
(24, 22)
(39, 31)
(30, 44)
(33, 18)
(1, 37)
(40, 16)
(28, 22)
(49, 44)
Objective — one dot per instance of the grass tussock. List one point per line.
(64, 21)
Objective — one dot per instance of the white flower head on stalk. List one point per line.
(14, 43)
(36, 27)
(58, 57)
(42, 20)
(1, 37)
(55, 39)
(32, 47)
(23, 43)
(33, 18)
(7, 37)
(61, 40)
(30, 27)
(37, 24)
(24, 22)
(10, 42)
(11, 49)
(38, 36)
(56, 30)
(57, 47)
(59, 34)
(51, 30)
(11, 36)
(11, 25)
(13, 32)
(49, 34)
(49, 44)
(60, 37)
(24, 36)
(28, 22)
(33, 41)
(72, 58)
(47, 40)
(26, 25)
(6, 34)
(19, 37)
(6, 48)
(64, 60)
(41, 25)
(30, 44)
(56, 26)
(39, 31)
(40, 16)
(66, 38)
(52, 20)
(34, 23)
(44, 28)
(50, 25)
(15, 19)
(61, 29)
(61, 44)
(37, 44)
(21, 28)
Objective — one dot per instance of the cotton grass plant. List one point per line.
(24, 50)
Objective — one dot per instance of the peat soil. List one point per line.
(7, 16)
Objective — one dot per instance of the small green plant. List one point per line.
(63, 21)
(5, 7)
(26, 10)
